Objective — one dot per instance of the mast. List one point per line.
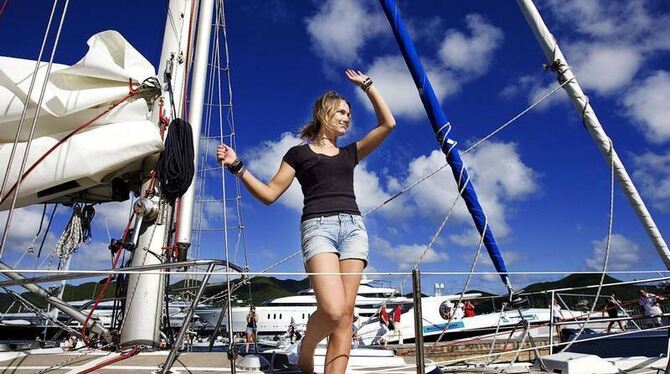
(142, 315)
(197, 98)
(558, 63)
(442, 129)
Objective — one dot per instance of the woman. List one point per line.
(333, 236)
(252, 320)
(558, 316)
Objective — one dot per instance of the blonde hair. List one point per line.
(323, 111)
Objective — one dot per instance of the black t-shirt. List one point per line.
(327, 182)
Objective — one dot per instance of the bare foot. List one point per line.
(306, 360)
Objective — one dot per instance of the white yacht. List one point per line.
(275, 316)
(436, 312)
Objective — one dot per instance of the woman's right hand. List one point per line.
(225, 155)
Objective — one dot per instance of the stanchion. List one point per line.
(418, 321)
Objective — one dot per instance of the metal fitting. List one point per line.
(146, 208)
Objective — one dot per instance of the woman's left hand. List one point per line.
(356, 77)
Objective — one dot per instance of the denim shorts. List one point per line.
(343, 234)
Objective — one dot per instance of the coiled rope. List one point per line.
(175, 165)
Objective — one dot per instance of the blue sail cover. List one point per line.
(441, 128)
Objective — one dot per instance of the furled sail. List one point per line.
(111, 149)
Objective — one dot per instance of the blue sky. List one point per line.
(542, 182)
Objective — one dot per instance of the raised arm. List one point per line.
(385, 119)
(267, 193)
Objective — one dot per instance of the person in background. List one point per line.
(459, 312)
(380, 337)
(395, 320)
(252, 321)
(652, 307)
(291, 331)
(558, 315)
(469, 309)
(612, 306)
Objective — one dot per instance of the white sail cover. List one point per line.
(113, 145)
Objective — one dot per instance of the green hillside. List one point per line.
(262, 289)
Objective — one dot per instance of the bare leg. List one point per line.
(330, 299)
(339, 344)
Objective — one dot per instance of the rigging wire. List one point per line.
(4, 6)
(26, 151)
(607, 249)
(431, 174)
(46, 232)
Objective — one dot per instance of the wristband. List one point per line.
(235, 167)
(366, 84)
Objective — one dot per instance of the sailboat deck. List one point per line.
(50, 361)
(56, 361)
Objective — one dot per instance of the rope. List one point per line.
(495, 334)
(134, 350)
(536, 103)
(175, 165)
(101, 293)
(64, 363)
(78, 230)
(467, 282)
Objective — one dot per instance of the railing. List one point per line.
(635, 318)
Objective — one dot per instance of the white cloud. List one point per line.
(652, 173)
(393, 79)
(535, 88)
(472, 53)
(208, 214)
(264, 161)
(370, 193)
(608, 42)
(599, 67)
(207, 153)
(498, 174)
(24, 225)
(95, 255)
(647, 104)
(114, 214)
(605, 68)
(510, 257)
(340, 28)
(406, 255)
(632, 22)
(624, 254)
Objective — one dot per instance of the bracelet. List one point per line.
(235, 167)
(241, 172)
(366, 84)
